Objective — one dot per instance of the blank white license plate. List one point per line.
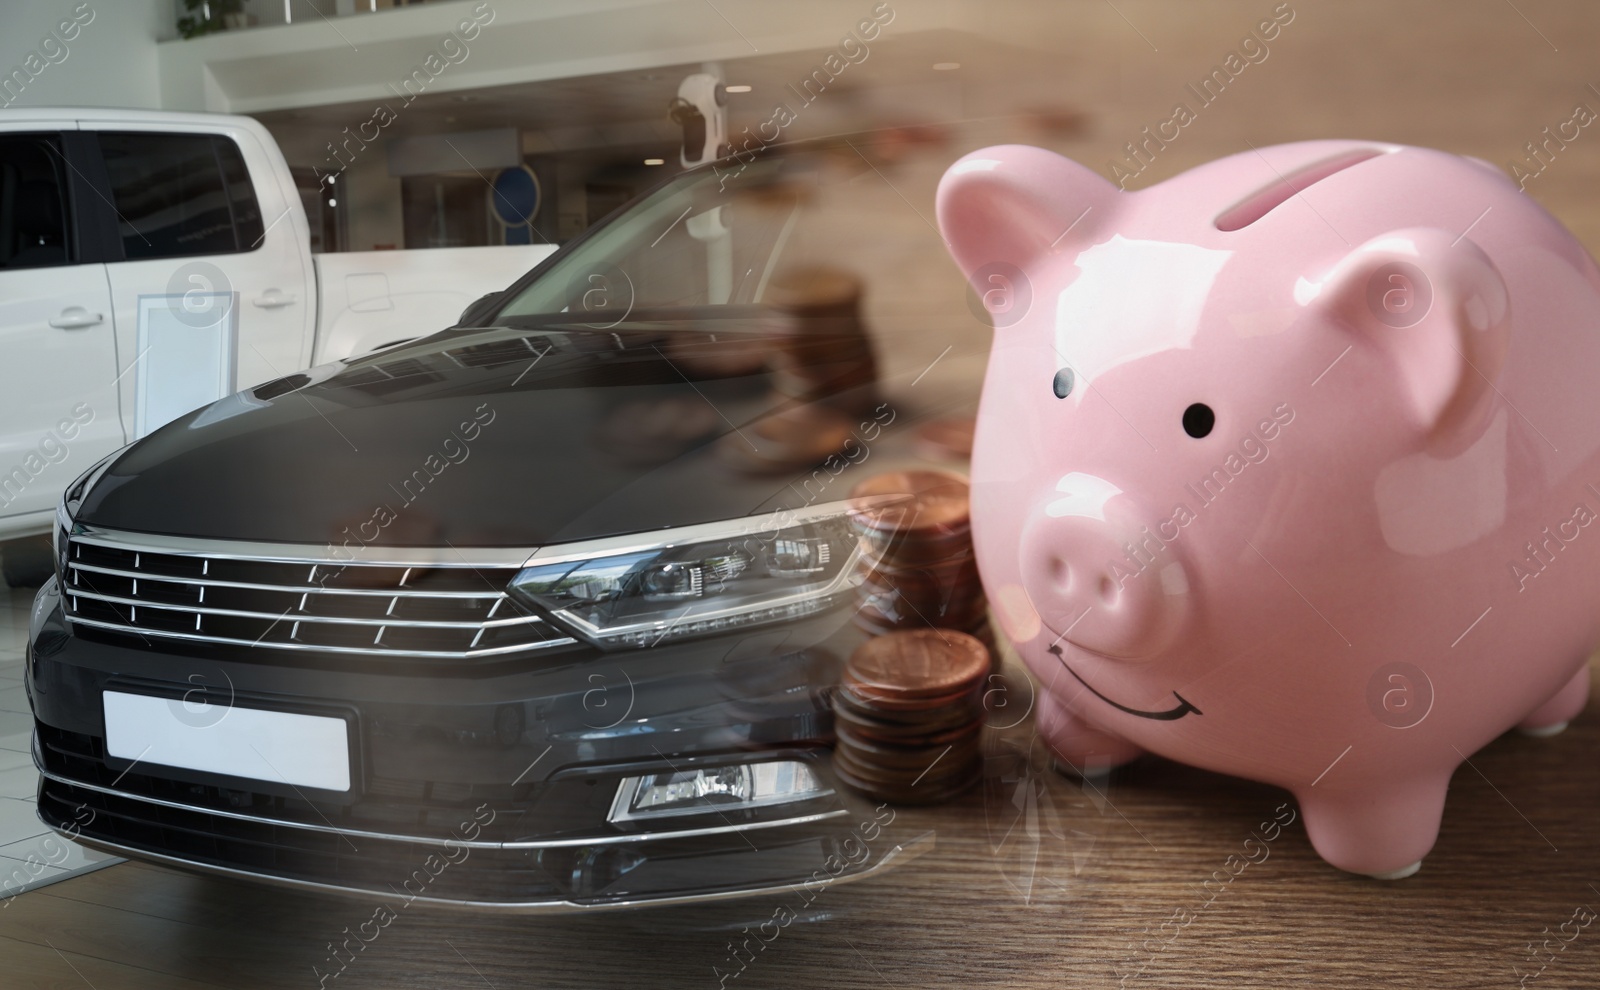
(280, 747)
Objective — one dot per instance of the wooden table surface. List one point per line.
(1036, 880)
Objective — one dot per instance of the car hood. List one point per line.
(490, 437)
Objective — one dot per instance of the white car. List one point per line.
(151, 263)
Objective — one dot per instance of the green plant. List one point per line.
(205, 16)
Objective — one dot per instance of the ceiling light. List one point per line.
(738, 89)
(655, 161)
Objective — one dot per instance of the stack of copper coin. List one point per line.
(917, 553)
(822, 351)
(908, 714)
(946, 439)
(654, 431)
(787, 439)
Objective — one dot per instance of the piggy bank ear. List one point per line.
(1010, 204)
(1438, 307)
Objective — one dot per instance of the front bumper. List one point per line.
(486, 787)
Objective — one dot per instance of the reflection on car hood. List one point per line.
(492, 437)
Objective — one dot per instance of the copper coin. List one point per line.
(886, 550)
(875, 628)
(903, 750)
(822, 353)
(915, 793)
(892, 759)
(793, 386)
(899, 727)
(888, 759)
(910, 710)
(942, 557)
(853, 400)
(919, 662)
(869, 715)
(938, 505)
(941, 768)
(725, 358)
(790, 439)
(891, 550)
(833, 362)
(957, 567)
(880, 729)
(956, 613)
(834, 336)
(649, 432)
(984, 633)
(981, 630)
(904, 533)
(679, 417)
(813, 287)
(815, 428)
(885, 591)
(945, 577)
(933, 769)
(833, 356)
(889, 738)
(900, 613)
(850, 370)
(870, 699)
(879, 623)
(947, 439)
(892, 554)
(854, 392)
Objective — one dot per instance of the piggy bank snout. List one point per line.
(1102, 580)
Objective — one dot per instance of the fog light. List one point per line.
(715, 789)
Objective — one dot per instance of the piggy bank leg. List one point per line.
(1079, 746)
(1553, 716)
(1382, 831)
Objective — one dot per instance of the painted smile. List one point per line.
(1182, 708)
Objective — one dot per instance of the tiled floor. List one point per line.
(31, 855)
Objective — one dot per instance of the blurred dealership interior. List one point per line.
(398, 120)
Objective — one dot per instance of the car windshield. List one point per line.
(705, 246)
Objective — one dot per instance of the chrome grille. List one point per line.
(289, 599)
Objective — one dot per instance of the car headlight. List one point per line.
(696, 580)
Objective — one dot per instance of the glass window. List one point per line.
(35, 229)
(705, 242)
(178, 195)
(247, 225)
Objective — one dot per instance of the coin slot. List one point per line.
(1284, 187)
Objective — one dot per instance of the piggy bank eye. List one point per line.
(1062, 386)
(1198, 420)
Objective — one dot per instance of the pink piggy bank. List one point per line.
(1287, 467)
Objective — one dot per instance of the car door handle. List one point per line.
(273, 299)
(74, 317)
